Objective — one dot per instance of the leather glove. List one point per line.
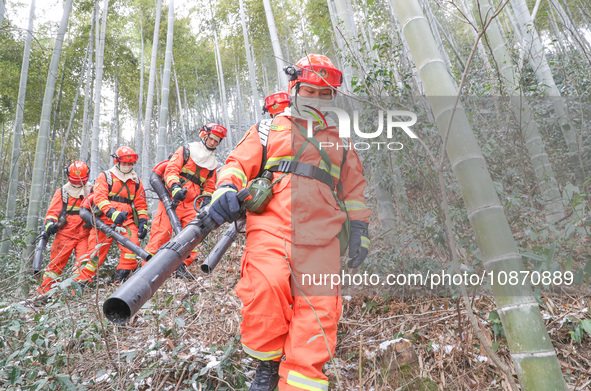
(117, 217)
(178, 193)
(51, 227)
(205, 201)
(143, 230)
(224, 204)
(358, 243)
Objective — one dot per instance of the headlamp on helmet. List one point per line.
(314, 69)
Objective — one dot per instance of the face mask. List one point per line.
(125, 169)
(300, 110)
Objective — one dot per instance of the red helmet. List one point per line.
(215, 129)
(124, 154)
(277, 102)
(314, 69)
(78, 173)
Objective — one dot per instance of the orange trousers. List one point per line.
(64, 243)
(99, 243)
(282, 318)
(161, 230)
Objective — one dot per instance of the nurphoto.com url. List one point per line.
(440, 279)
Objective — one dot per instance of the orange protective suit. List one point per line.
(186, 174)
(72, 237)
(98, 242)
(294, 236)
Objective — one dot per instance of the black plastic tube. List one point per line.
(158, 186)
(131, 296)
(38, 258)
(216, 254)
(87, 216)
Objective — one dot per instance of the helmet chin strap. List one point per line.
(204, 141)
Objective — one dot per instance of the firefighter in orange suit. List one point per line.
(297, 232)
(189, 173)
(276, 103)
(117, 192)
(63, 219)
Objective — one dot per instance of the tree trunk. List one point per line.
(251, 66)
(138, 131)
(222, 83)
(532, 352)
(537, 60)
(18, 127)
(96, 126)
(37, 188)
(73, 112)
(523, 114)
(84, 139)
(115, 122)
(343, 40)
(281, 76)
(50, 172)
(179, 104)
(2, 8)
(577, 38)
(145, 155)
(435, 30)
(161, 151)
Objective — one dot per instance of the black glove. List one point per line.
(51, 227)
(116, 216)
(224, 204)
(143, 229)
(205, 201)
(178, 193)
(358, 243)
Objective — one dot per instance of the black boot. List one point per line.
(121, 275)
(183, 272)
(266, 376)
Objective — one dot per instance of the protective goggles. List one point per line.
(130, 158)
(320, 75)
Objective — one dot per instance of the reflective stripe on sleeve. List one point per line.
(231, 171)
(355, 205)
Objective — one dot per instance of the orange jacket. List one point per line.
(175, 170)
(302, 208)
(72, 210)
(128, 190)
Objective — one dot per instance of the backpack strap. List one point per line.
(186, 154)
(116, 197)
(263, 129)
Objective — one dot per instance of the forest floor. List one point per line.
(187, 337)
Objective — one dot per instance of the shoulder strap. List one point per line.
(186, 154)
(64, 202)
(340, 183)
(64, 196)
(263, 129)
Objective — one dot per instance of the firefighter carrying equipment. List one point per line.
(71, 236)
(191, 167)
